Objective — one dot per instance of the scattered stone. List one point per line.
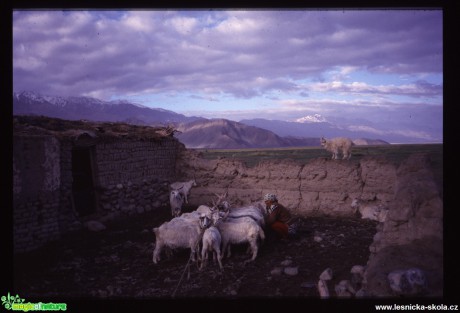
(326, 274)
(286, 262)
(344, 289)
(322, 289)
(276, 271)
(95, 226)
(407, 282)
(357, 275)
(317, 239)
(291, 271)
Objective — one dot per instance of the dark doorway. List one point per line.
(83, 184)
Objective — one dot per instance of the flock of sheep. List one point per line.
(210, 228)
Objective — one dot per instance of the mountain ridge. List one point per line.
(195, 132)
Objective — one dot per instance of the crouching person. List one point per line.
(277, 218)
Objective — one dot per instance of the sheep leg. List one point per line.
(219, 259)
(254, 249)
(194, 255)
(226, 247)
(204, 258)
(229, 252)
(156, 253)
(335, 154)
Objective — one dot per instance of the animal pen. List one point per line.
(66, 172)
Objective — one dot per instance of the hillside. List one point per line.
(196, 132)
(225, 134)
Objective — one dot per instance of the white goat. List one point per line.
(211, 242)
(193, 215)
(375, 212)
(238, 231)
(251, 211)
(336, 145)
(184, 188)
(179, 233)
(175, 201)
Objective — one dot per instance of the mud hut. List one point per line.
(67, 172)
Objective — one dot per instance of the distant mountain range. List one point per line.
(318, 126)
(195, 132)
(77, 108)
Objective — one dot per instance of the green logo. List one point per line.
(7, 301)
(15, 303)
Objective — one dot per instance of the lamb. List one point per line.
(184, 187)
(179, 233)
(175, 201)
(375, 212)
(336, 145)
(211, 242)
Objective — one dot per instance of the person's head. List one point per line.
(270, 198)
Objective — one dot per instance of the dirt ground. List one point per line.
(117, 263)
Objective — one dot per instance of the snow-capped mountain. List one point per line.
(330, 129)
(315, 118)
(292, 133)
(75, 108)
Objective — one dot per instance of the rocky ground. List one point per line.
(117, 263)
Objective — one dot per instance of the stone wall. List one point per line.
(410, 237)
(130, 177)
(134, 177)
(36, 190)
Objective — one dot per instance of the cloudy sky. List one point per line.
(379, 66)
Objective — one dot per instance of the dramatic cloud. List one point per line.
(264, 59)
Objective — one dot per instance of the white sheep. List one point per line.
(184, 188)
(238, 231)
(375, 212)
(180, 233)
(245, 219)
(251, 211)
(192, 215)
(212, 241)
(336, 145)
(175, 201)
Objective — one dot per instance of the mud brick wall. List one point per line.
(36, 190)
(134, 176)
(130, 177)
